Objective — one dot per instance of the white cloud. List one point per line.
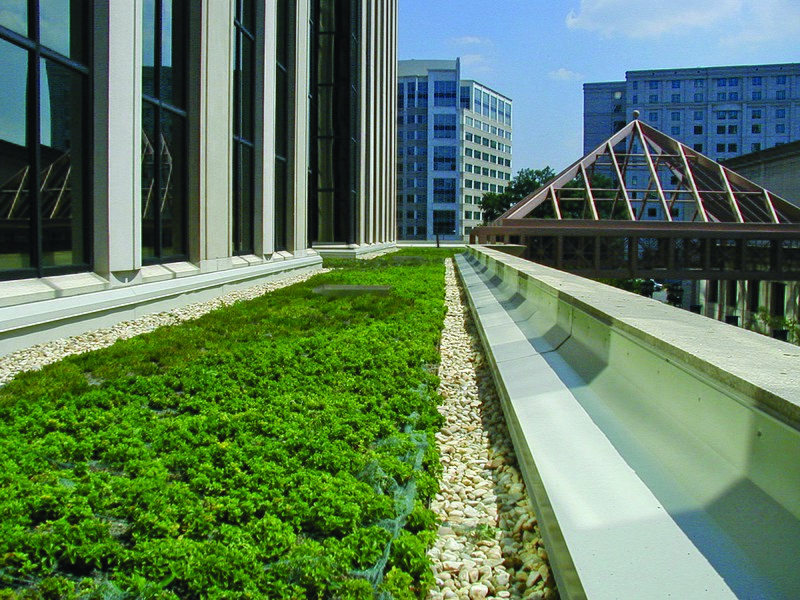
(476, 63)
(646, 18)
(470, 40)
(764, 21)
(563, 74)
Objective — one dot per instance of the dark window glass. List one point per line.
(62, 137)
(15, 200)
(164, 191)
(285, 24)
(44, 192)
(243, 129)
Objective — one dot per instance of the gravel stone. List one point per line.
(489, 540)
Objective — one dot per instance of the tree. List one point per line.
(524, 183)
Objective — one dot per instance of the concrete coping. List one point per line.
(732, 356)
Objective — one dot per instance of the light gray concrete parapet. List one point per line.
(41, 310)
(660, 446)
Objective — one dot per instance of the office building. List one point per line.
(159, 152)
(454, 144)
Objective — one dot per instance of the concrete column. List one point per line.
(301, 128)
(265, 134)
(118, 138)
(212, 192)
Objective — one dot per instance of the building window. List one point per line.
(698, 97)
(653, 85)
(444, 126)
(653, 97)
(164, 124)
(676, 98)
(698, 83)
(720, 96)
(720, 147)
(676, 84)
(422, 94)
(733, 148)
(675, 116)
(780, 128)
(698, 130)
(444, 158)
(444, 222)
(720, 129)
(733, 81)
(780, 95)
(244, 119)
(733, 96)
(466, 97)
(653, 116)
(444, 93)
(756, 113)
(756, 80)
(675, 130)
(780, 79)
(755, 147)
(780, 113)
(756, 95)
(334, 162)
(698, 115)
(45, 197)
(755, 128)
(698, 147)
(722, 82)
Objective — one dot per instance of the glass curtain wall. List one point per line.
(335, 85)
(244, 78)
(285, 28)
(44, 137)
(164, 130)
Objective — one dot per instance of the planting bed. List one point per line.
(278, 448)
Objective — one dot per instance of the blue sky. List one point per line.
(541, 52)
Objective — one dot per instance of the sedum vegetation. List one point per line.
(278, 448)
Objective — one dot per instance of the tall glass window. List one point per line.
(164, 130)
(285, 26)
(44, 138)
(244, 77)
(335, 80)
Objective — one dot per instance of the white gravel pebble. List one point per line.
(489, 545)
(35, 357)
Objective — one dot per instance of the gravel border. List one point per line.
(489, 544)
(35, 357)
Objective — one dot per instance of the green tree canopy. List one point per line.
(525, 182)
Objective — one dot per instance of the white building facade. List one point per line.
(156, 152)
(454, 145)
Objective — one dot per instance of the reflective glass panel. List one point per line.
(248, 14)
(173, 195)
(62, 25)
(149, 48)
(62, 178)
(15, 212)
(246, 199)
(173, 51)
(149, 185)
(248, 85)
(14, 15)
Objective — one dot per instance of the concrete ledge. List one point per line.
(352, 250)
(161, 288)
(646, 434)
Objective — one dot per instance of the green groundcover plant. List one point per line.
(278, 448)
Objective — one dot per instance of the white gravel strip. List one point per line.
(36, 357)
(489, 544)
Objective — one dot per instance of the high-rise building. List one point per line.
(454, 144)
(155, 153)
(719, 111)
